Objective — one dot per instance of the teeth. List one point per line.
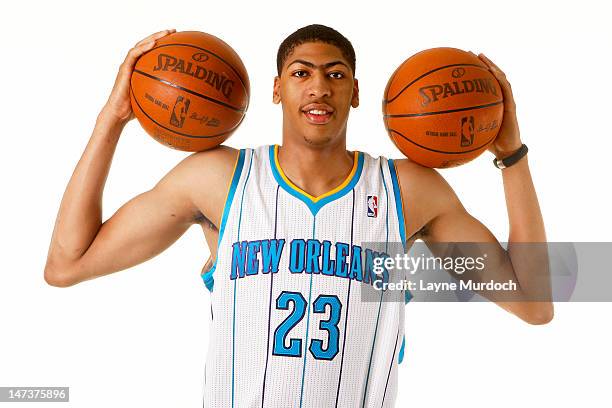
(317, 112)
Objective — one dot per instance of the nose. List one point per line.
(319, 85)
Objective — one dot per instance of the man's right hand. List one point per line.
(118, 104)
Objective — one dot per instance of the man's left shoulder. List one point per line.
(425, 191)
(420, 179)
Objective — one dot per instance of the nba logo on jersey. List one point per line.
(372, 206)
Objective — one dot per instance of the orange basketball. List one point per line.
(190, 91)
(442, 107)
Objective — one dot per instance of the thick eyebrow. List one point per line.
(311, 65)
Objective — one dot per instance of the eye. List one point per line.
(336, 75)
(300, 73)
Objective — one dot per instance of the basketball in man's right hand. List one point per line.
(190, 92)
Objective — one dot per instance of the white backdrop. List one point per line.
(138, 338)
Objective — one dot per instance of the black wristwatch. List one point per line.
(512, 159)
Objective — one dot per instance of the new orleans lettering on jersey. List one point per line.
(306, 256)
(292, 325)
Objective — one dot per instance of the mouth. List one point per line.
(318, 115)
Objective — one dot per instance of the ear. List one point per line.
(355, 98)
(276, 98)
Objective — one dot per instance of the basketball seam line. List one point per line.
(441, 151)
(208, 98)
(411, 115)
(179, 133)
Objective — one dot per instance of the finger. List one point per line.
(156, 36)
(134, 54)
(497, 72)
(494, 68)
(506, 88)
(141, 47)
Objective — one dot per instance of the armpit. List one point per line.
(201, 219)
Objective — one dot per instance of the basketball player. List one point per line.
(288, 228)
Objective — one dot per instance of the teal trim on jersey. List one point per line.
(398, 201)
(246, 181)
(400, 215)
(208, 276)
(400, 357)
(382, 176)
(314, 205)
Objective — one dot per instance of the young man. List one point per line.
(288, 228)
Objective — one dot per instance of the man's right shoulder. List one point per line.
(202, 172)
(216, 165)
(202, 179)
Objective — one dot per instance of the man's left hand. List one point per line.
(508, 139)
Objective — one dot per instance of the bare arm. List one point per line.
(525, 261)
(447, 221)
(82, 246)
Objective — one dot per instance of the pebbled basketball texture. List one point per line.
(190, 92)
(442, 107)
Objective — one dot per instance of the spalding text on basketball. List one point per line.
(220, 82)
(433, 93)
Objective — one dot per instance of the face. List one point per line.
(317, 89)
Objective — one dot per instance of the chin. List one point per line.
(318, 140)
(322, 137)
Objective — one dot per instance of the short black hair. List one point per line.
(315, 33)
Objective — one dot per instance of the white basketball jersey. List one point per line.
(291, 325)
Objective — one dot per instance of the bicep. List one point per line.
(152, 221)
(452, 232)
(449, 230)
(141, 229)
(455, 224)
(456, 234)
(460, 236)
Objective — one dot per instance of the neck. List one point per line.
(315, 169)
